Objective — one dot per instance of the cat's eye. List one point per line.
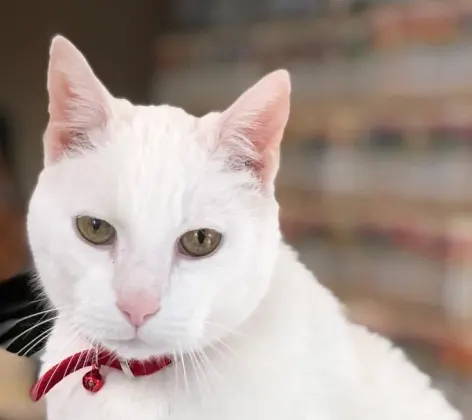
(96, 231)
(200, 242)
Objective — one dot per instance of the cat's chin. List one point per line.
(136, 349)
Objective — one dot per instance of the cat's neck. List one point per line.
(293, 288)
(297, 305)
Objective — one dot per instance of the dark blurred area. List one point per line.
(376, 176)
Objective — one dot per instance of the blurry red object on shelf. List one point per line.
(457, 357)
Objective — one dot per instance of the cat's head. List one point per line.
(154, 231)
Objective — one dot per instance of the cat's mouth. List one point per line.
(135, 341)
(135, 348)
(126, 348)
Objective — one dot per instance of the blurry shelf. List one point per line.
(398, 321)
(316, 207)
(380, 26)
(259, 39)
(315, 86)
(405, 320)
(401, 321)
(362, 58)
(409, 114)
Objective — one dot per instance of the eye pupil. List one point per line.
(201, 236)
(96, 223)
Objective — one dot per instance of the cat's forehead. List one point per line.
(165, 116)
(157, 136)
(163, 125)
(152, 159)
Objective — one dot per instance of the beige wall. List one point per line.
(115, 35)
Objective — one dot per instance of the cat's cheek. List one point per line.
(95, 283)
(54, 281)
(93, 293)
(177, 325)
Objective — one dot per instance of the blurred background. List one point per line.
(376, 175)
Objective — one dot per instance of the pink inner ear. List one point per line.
(263, 134)
(78, 102)
(255, 123)
(62, 133)
(71, 116)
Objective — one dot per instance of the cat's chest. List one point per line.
(120, 398)
(161, 397)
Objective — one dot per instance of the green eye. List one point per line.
(199, 242)
(95, 231)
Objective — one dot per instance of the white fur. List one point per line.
(253, 333)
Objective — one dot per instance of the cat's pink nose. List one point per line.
(138, 307)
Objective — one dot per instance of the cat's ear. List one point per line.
(255, 123)
(78, 102)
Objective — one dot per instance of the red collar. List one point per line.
(93, 381)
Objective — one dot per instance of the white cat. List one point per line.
(156, 233)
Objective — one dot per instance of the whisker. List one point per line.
(36, 325)
(226, 346)
(208, 363)
(197, 374)
(201, 367)
(176, 371)
(36, 341)
(39, 300)
(220, 352)
(70, 340)
(45, 312)
(227, 329)
(184, 370)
